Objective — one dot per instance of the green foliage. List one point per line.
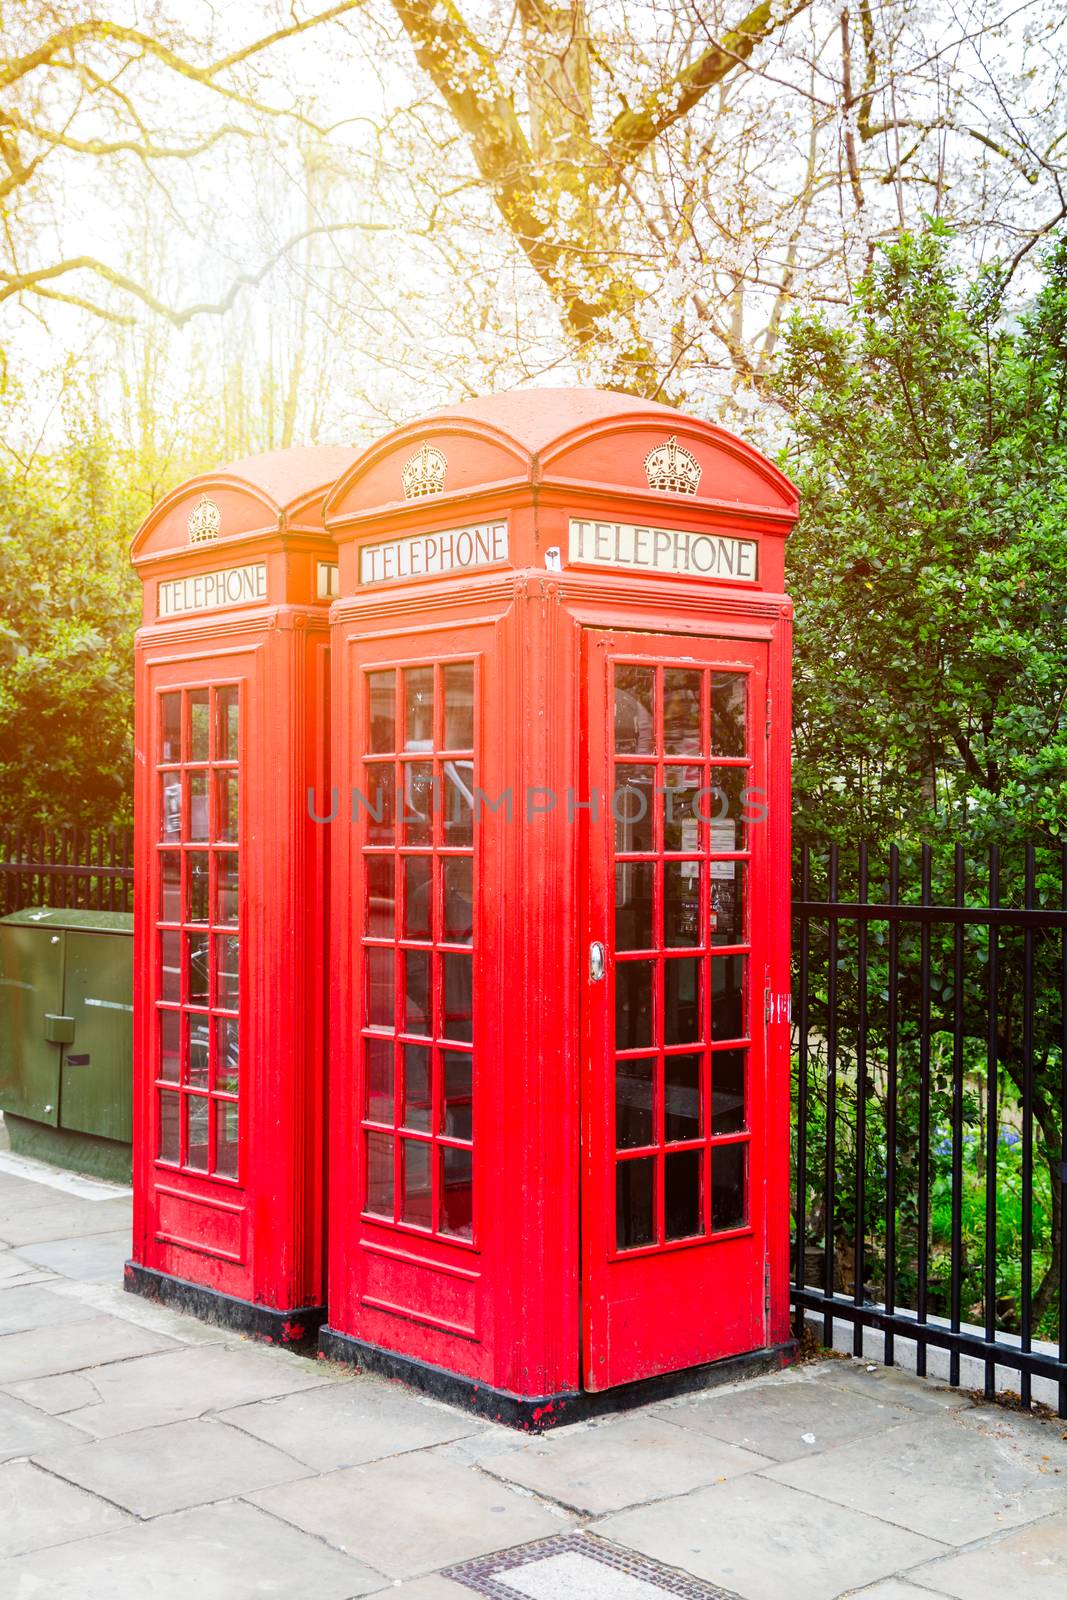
(68, 608)
(930, 565)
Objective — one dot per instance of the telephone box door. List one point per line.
(674, 1215)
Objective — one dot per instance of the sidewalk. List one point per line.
(147, 1455)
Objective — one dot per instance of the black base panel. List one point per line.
(293, 1328)
(536, 1414)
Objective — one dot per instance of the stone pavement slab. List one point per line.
(435, 1588)
(171, 1468)
(65, 1217)
(177, 1384)
(352, 1421)
(65, 1392)
(1030, 1564)
(787, 1418)
(622, 1461)
(96, 1258)
(891, 1384)
(72, 1346)
(15, 1271)
(935, 1475)
(35, 1306)
(24, 1431)
(764, 1541)
(414, 1513)
(41, 1510)
(222, 1552)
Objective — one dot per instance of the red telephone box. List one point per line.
(560, 869)
(230, 894)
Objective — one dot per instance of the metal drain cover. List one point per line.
(577, 1566)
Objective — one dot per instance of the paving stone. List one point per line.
(97, 1258)
(352, 1421)
(762, 1540)
(41, 1510)
(73, 1346)
(110, 1299)
(413, 1514)
(35, 1306)
(894, 1589)
(222, 1552)
(184, 1383)
(1030, 1564)
(171, 1468)
(15, 1272)
(66, 1217)
(619, 1462)
(65, 1392)
(434, 1588)
(25, 1431)
(785, 1419)
(936, 1476)
(893, 1384)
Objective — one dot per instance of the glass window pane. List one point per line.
(681, 903)
(681, 1001)
(381, 690)
(633, 905)
(170, 801)
(198, 814)
(227, 970)
(197, 885)
(459, 899)
(728, 902)
(458, 779)
(379, 799)
(199, 726)
(416, 1201)
(635, 716)
(634, 1216)
(633, 1004)
(170, 986)
(418, 1087)
(380, 1174)
(418, 708)
(729, 1201)
(170, 886)
(418, 897)
(169, 1106)
(634, 1082)
(226, 723)
(199, 1049)
(681, 1194)
(457, 1021)
(632, 807)
(226, 803)
(728, 997)
(728, 1091)
(418, 1003)
(170, 718)
(226, 878)
(420, 802)
(458, 1066)
(724, 807)
(459, 705)
(681, 1098)
(728, 719)
(681, 712)
(196, 968)
(227, 1054)
(170, 1045)
(378, 1057)
(381, 896)
(683, 806)
(225, 1139)
(457, 1193)
(381, 986)
(196, 1132)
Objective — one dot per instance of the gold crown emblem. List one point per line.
(424, 472)
(205, 519)
(668, 466)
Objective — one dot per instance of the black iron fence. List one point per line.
(930, 1104)
(66, 867)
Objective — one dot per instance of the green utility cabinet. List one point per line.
(66, 1036)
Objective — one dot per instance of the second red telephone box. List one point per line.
(560, 962)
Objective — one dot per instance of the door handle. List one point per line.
(597, 962)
